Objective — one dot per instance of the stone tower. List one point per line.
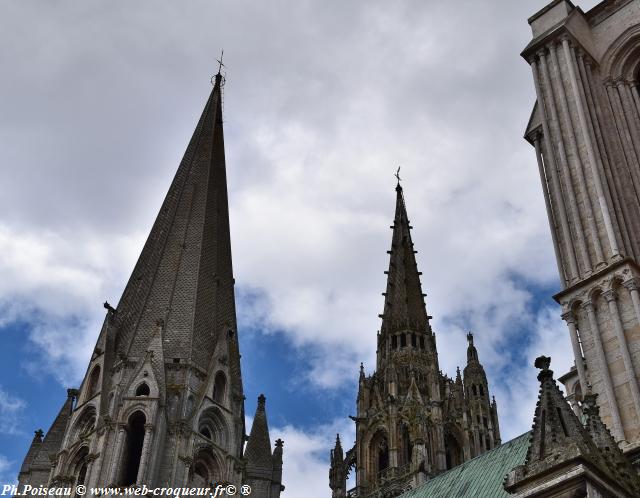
(585, 128)
(162, 402)
(412, 421)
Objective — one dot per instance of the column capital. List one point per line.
(541, 53)
(632, 284)
(610, 295)
(587, 305)
(537, 135)
(569, 317)
(149, 427)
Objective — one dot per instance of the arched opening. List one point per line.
(205, 469)
(85, 423)
(80, 465)
(379, 453)
(143, 390)
(407, 446)
(94, 379)
(219, 387)
(453, 451)
(133, 449)
(211, 425)
(474, 390)
(481, 390)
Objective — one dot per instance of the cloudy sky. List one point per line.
(323, 101)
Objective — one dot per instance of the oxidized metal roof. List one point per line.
(479, 477)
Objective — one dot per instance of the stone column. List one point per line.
(144, 458)
(551, 168)
(631, 117)
(117, 454)
(573, 144)
(611, 298)
(604, 208)
(632, 285)
(547, 203)
(564, 164)
(618, 433)
(575, 344)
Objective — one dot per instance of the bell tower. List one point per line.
(162, 402)
(412, 421)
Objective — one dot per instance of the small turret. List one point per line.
(337, 472)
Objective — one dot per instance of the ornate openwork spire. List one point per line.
(404, 306)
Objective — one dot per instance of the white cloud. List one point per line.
(323, 101)
(11, 408)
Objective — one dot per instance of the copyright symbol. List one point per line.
(81, 489)
(231, 490)
(245, 490)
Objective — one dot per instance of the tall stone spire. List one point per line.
(404, 305)
(162, 402)
(184, 274)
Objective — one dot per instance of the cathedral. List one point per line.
(161, 403)
(420, 434)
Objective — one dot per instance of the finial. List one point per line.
(261, 401)
(220, 64)
(337, 439)
(397, 175)
(542, 362)
(470, 339)
(108, 307)
(279, 443)
(38, 434)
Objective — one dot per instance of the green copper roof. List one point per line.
(479, 477)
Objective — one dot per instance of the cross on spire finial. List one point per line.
(220, 64)
(397, 175)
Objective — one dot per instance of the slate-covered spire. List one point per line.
(404, 306)
(184, 274)
(258, 450)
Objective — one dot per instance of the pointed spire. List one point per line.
(558, 438)
(404, 305)
(472, 352)
(258, 450)
(190, 234)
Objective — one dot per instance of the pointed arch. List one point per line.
(143, 389)
(379, 453)
(205, 470)
(133, 448)
(79, 466)
(93, 383)
(212, 425)
(85, 423)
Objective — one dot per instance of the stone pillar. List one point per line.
(551, 168)
(604, 368)
(575, 344)
(547, 202)
(632, 287)
(611, 298)
(144, 458)
(604, 208)
(564, 165)
(573, 144)
(117, 455)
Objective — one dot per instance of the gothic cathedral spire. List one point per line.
(412, 421)
(162, 402)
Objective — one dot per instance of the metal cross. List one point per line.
(397, 175)
(221, 65)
